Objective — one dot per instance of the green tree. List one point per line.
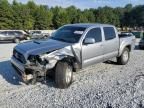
(33, 16)
(60, 17)
(72, 14)
(17, 20)
(43, 18)
(23, 15)
(90, 18)
(6, 15)
(128, 7)
(135, 17)
(107, 15)
(27, 19)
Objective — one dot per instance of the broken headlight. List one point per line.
(37, 59)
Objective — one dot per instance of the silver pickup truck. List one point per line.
(70, 48)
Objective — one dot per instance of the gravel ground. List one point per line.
(104, 85)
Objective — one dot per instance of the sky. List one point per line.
(83, 4)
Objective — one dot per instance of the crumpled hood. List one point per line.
(40, 46)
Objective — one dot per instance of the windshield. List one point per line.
(70, 34)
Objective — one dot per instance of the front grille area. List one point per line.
(19, 56)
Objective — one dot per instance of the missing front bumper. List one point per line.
(22, 75)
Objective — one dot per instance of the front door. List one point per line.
(92, 53)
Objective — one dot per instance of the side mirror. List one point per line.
(89, 41)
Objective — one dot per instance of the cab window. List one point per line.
(109, 33)
(95, 33)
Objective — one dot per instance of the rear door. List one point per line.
(111, 44)
(93, 53)
(10, 35)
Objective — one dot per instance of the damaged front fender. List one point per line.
(55, 56)
(45, 62)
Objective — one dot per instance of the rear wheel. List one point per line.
(63, 75)
(16, 40)
(124, 58)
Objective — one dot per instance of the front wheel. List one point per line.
(124, 58)
(63, 75)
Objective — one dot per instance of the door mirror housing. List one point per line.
(89, 41)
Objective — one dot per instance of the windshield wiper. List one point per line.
(59, 39)
(62, 40)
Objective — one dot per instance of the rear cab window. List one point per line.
(109, 33)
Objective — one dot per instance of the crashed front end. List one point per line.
(40, 65)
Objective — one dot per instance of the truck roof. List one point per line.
(87, 25)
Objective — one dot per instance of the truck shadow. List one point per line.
(111, 62)
(48, 82)
(8, 73)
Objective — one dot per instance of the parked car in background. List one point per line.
(38, 35)
(138, 34)
(70, 48)
(14, 36)
(141, 43)
(126, 34)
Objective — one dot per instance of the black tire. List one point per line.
(63, 75)
(16, 40)
(122, 60)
